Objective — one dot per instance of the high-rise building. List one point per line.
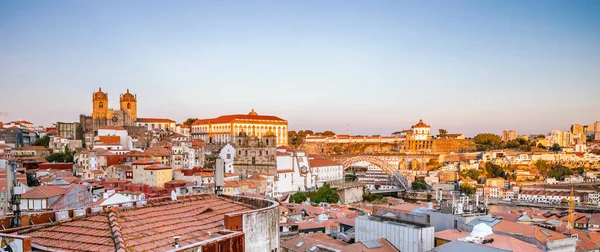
(508, 135)
(578, 134)
(562, 138)
(576, 129)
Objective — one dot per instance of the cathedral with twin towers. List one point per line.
(103, 116)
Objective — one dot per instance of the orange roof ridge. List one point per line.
(115, 230)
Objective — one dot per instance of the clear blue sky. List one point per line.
(380, 66)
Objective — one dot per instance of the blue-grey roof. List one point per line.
(484, 219)
(371, 244)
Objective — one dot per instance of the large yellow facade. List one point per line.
(225, 129)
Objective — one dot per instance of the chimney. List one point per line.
(176, 245)
(219, 175)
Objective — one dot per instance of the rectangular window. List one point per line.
(455, 224)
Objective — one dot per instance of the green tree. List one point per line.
(298, 197)
(189, 121)
(56, 157)
(555, 147)
(443, 133)
(83, 144)
(377, 187)
(488, 139)
(513, 144)
(419, 184)
(558, 171)
(429, 196)
(370, 197)
(44, 141)
(328, 133)
(542, 167)
(541, 146)
(467, 189)
(494, 171)
(472, 174)
(526, 147)
(338, 150)
(579, 170)
(350, 177)
(325, 194)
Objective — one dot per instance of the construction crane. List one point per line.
(572, 209)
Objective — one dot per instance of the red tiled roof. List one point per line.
(21, 122)
(36, 148)
(309, 225)
(154, 120)
(149, 228)
(111, 128)
(322, 162)
(110, 139)
(527, 231)
(43, 192)
(307, 241)
(157, 151)
(231, 118)
(144, 161)
(386, 246)
(595, 219)
(421, 124)
(157, 167)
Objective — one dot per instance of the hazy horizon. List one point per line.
(379, 66)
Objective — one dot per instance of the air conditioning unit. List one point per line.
(79, 213)
(61, 216)
(96, 209)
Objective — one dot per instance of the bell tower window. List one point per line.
(101, 105)
(128, 105)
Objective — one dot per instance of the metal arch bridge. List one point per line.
(384, 165)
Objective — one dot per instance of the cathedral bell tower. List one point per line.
(129, 104)
(100, 104)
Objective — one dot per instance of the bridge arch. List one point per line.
(384, 165)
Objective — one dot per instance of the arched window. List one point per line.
(128, 105)
(101, 105)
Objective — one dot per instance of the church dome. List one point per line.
(421, 124)
(270, 134)
(127, 96)
(252, 113)
(100, 94)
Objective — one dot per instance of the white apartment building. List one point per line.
(326, 170)
(293, 171)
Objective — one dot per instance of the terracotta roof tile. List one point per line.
(231, 118)
(149, 228)
(43, 192)
(111, 128)
(154, 120)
